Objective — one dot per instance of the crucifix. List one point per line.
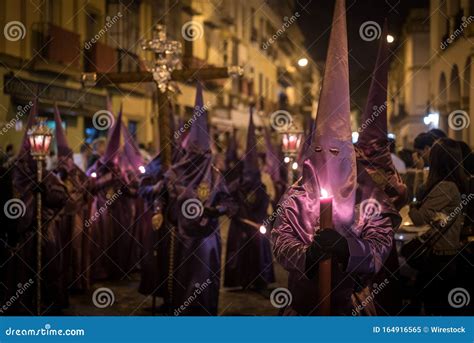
(162, 71)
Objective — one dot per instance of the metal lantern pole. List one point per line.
(40, 138)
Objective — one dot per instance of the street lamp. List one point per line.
(303, 62)
(39, 137)
(291, 142)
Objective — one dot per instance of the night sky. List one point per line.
(315, 22)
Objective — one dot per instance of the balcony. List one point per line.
(56, 45)
(100, 58)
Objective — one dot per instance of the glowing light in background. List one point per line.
(263, 230)
(432, 119)
(142, 169)
(355, 137)
(286, 159)
(294, 166)
(390, 39)
(303, 62)
(94, 175)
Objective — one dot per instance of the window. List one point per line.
(124, 33)
(92, 23)
(133, 128)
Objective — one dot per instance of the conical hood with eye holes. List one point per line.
(272, 162)
(331, 163)
(131, 151)
(113, 145)
(25, 143)
(61, 141)
(198, 137)
(373, 146)
(251, 171)
(231, 156)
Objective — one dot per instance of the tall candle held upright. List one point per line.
(324, 277)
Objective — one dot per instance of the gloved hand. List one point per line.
(326, 243)
(333, 243)
(211, 212)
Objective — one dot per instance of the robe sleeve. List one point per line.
(56, 194)
(289, 247)
(370, 249)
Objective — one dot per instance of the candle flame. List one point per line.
(324, 193)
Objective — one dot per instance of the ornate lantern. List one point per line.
(291, 141)
(40, 137)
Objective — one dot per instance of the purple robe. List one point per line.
(19, 257)
(249, 260)
(71, 228)
(198, 242)
(110, 224)
(20, 266)
(154, 261)
(362, 213)
(373, 152)
(113, 253)
(369, 239)
(194, 186)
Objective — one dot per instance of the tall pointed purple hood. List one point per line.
(374, 118)
(198, 137)
(25, 143)
(61, 141)
(231, 157)
(311, 126)
(272, 162)
(251, 169)
(131, 150)
(373, 147)
(113, 145)
(331, 164)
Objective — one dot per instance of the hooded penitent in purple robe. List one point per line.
(373, 146)
(111, 221)
(134, 166)
(373, 153)
(197, 197)
(71, 228)
(272, 167)
(154, 262)
(19, 264)
(233, 164)
(363, 216)
(249, 258)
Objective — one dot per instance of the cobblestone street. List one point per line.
(128, 302)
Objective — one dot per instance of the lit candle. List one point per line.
(325, 210)
(324, 277)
